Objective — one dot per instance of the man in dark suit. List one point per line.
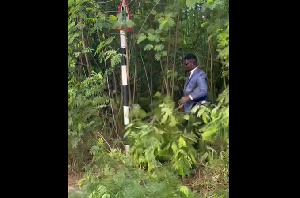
(195, 87)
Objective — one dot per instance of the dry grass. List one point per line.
(73, 179)
(207, 180)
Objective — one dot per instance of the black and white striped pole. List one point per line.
(124, 73)
(124, 78)
(124, 83)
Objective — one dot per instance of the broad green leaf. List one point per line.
(181, 142)
(141, 37)
(193, 158)
(101, 189)
(171, 22)
(148, 47)
(161, 26)
(164, 118)
(184, 190)
(112, 17)
(204, 117)
(157, 56)
(157, 94)
(204, 24)
(195, 108)
(150, 31)
(153, 37)
(79, 126)
(174, 147)
(208, 133)
(137, 112)
(173, 121)
(159, 47)
(182, 152)
(190, 3)
(201, 111)
(106, 195)
(186, 116)
(190, 136)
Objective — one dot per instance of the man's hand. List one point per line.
(184, 100)
(180, 106)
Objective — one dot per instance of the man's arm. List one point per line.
(201, 88)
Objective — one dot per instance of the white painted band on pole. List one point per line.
(124, 75)
(126, 115)
(123, 39)
(127, 149)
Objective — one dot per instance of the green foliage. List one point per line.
(148, 47)
(159, 47)
(137, 112)
(161, 138)
(211, 121)
(153, 37)
(165, 20)
(165, 138)
(166, 142)
(85, 101)
(190, 3)
(103, 44)
(141, 37)
(72, 42)
(104, 53)
(112, 175)
(223, 49)
(158, 39)
(218, 127)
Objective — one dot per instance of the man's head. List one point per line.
(190, 62)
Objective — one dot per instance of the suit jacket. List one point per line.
(196, 86)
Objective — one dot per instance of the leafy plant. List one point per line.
(161, 138)
(218, 127)
(85, 101)
(223, 49)
(112, 175)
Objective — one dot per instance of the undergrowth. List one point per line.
(162, 155)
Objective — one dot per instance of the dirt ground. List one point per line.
(73, 181)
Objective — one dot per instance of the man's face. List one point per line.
(188, 65)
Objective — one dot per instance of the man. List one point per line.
(195, 88)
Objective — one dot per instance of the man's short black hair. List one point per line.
(190, 57)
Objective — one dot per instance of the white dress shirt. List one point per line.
(190, 77)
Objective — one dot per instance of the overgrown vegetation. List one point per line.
(165, 143)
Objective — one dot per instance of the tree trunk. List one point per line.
(167, 65)
(165, 82)
(173, 68)
(134, 78)
(84, 47)
(211, 75)
(115, 83)
(150, 92)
